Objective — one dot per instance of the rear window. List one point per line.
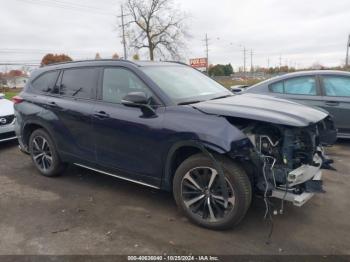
(305, 85)
(79, 83)
(45, 82)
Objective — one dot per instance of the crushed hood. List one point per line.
(263, 108)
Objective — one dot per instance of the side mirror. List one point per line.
(135, 99)
(139, 99)
(236, 90)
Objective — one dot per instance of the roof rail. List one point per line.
(90, 60)
(176, 62)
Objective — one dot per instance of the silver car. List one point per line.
(325, 89)
(7, 120)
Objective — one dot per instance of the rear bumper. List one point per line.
(296, 199)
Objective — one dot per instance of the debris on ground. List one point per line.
(60, 231)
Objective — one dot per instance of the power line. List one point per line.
(69, 6)
(20, 64)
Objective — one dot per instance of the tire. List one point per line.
(209, 211)
(44, 154)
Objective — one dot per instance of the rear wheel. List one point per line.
(44, 154)
(198, 192)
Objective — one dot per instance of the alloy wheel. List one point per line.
(42, 153)
(202, 194)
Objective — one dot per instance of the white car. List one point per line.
(7, 120)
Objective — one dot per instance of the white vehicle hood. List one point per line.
(6, 107)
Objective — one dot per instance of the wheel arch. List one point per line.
(178, 153)
(29, 127)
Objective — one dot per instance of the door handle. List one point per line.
(101, 114)
(332, 103)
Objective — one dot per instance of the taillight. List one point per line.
(17, 99)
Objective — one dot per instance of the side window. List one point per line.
(45, 82)
(276, 87)
(118, 82)
(336, 85)
(305, 85)
(79, 83)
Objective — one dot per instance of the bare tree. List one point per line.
(156, 25)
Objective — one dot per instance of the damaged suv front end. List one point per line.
(283, 152)
(288, 160)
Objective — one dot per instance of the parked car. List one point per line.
(237, 88)
(7, 120)
(168, 126)
(329, 90)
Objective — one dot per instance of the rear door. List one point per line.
(71, 103)
(336, 100)
(304, 89)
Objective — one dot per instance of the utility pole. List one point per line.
(206, 40)
(244, 59)
(123, 32)
(280, 61)
(347, 53)
(268, 62)
(251, 61)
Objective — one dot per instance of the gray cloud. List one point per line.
(302, 32)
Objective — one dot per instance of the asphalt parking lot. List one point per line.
(84, 212)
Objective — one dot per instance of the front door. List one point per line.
(125, 138)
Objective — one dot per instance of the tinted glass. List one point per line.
(79, 83)
(300, 86)
(182, 83)
(45, 82)
(118, 82)
(336, 85)
(277, 87)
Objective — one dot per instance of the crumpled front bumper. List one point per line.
(297, 199)
(308, 176)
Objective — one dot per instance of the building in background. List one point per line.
(16, 81)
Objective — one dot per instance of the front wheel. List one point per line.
(198, 194)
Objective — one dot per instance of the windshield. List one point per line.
(184, 84)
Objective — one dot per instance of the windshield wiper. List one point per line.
(219, 97)
(189, 102)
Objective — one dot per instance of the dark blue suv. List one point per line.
(168, 126)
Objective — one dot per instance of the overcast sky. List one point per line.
(301, 32)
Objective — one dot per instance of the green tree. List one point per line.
(221, 70)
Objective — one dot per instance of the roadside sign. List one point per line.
(198, 62)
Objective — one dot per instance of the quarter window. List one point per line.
(46, 82)
(336, 85)
(118, 82)
(79, 83)
(277, 87)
